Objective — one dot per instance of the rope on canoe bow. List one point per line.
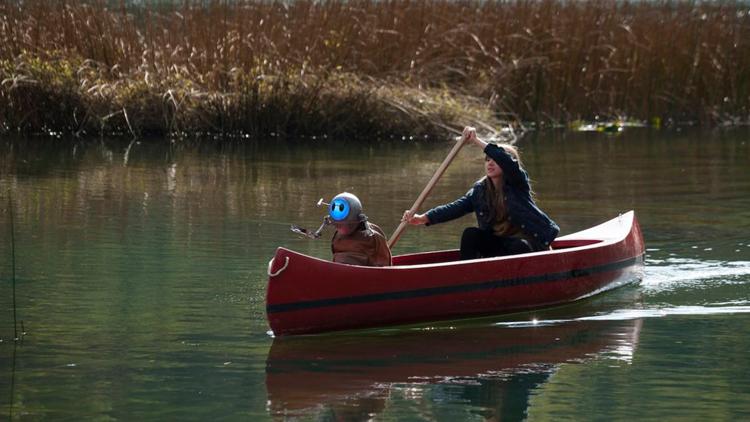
(270, 264)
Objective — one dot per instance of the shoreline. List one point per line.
(370, 70)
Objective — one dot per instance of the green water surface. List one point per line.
(141, 274)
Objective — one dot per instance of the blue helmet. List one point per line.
(346, 208)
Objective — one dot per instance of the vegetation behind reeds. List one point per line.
(364, 67)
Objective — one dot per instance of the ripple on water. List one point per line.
(735, 307)
(683, 273)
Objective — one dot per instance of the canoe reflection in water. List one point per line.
(493, 367)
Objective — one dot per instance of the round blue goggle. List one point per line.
(339, 209)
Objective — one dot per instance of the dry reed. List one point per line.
(367, 67)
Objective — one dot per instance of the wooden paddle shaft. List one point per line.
(426, 191)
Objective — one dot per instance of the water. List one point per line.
(141, 279)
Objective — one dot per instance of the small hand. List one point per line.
(407, 216)
(469, 134)
(414, 219)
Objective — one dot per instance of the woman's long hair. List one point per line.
(494, 194)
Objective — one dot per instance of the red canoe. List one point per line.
(310, 295)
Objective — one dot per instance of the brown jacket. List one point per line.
(362, 247)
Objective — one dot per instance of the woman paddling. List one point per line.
(509, 220)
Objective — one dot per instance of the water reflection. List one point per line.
(493, 368)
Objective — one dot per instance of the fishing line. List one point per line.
(12, 383)
(13, 263)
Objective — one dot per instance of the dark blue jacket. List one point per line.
(522, 210)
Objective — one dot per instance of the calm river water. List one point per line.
(141, 274)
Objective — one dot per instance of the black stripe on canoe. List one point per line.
(463, 288)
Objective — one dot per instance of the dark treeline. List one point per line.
(365, 67)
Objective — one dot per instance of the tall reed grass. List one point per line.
(367, 67)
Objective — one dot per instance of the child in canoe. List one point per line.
(356, 241)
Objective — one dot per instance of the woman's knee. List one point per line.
(471, 240)
(471, 234)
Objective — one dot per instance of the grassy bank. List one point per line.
(367, 68)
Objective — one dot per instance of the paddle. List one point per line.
(427, 189)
